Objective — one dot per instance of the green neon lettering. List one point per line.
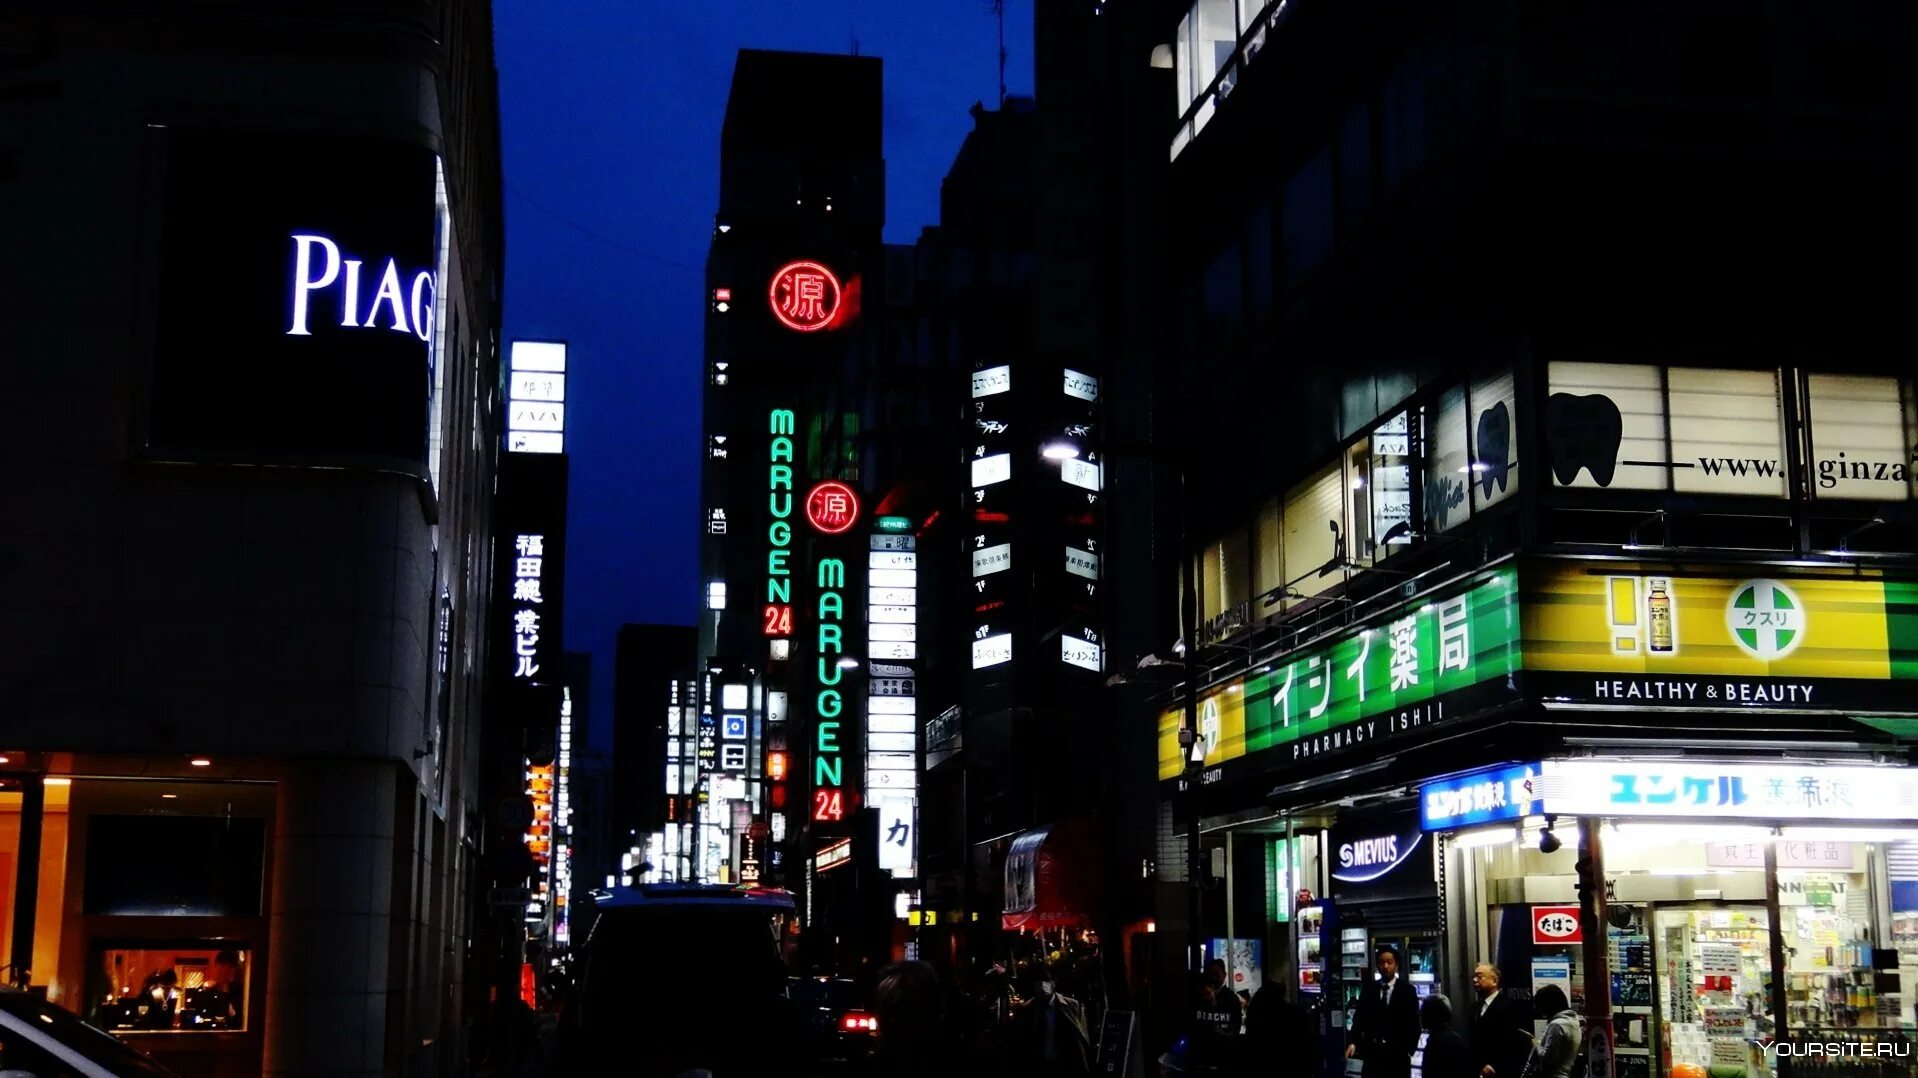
(776, 563)
(831, 605)
(828, 771)
(779, 591)
(781, 533)
(832, 573)
(780, 509)
(782, 421)
(830, 705)
(781, 475)
(829, 638)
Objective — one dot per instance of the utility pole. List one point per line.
(999, 9)
(1189, 735)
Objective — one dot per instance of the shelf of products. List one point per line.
(1714, 994)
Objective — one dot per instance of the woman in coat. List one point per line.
(1557, 1051)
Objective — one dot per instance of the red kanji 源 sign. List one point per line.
(805, 296)
(832, 507)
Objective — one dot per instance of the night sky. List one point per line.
(610, 115)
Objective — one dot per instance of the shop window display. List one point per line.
(196, 987)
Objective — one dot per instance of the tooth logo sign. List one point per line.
(1584, 434)
(1766, 619)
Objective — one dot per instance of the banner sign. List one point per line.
(1785, 640)
(1763, 791)
(1369, 685)
(1487, 796)
(1602, 635)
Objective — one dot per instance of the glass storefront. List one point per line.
(1692, 919)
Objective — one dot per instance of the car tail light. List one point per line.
(858, 1022)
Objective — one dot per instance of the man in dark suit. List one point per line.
(1385, 1031)
(1501, 1027)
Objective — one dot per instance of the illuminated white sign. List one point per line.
(991, 380)
(892, 596)
(894, 649)
(892, 613)
(528, 565)
(892, 705)
(892, 631)
(1083, 386)
(1082, 563)
(992, 651)
(992, 559)
(892, 578)
(318, 265)
(1078, 473)
(1081, 653)
(996, 468)
(535, 401)
(1702, 789)
(893, 724)
(892, 559)
(898, 833)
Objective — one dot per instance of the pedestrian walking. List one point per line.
(1557, 1051)
(1446, 1054)
(1386, 1031)
(1501, 1027)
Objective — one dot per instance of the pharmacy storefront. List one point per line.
(1727, 906)
(1682, 793)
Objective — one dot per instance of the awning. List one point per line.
(1049, 878)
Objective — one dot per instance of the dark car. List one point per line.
(40, 1039)
(840, 1027)
(683, 977)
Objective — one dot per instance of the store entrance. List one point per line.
(1711, 995)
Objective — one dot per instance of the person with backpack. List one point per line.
(1556, 1054)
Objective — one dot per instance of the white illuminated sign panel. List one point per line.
(892, 730)
(894, 649)
(898, 834)
(1082, 563)
(1706, 790)
(996, 558)
(991, 380)
(535, 398)
(1083, 386)
(1078, 473)
(1081, 653)
(992, 650)
(996, 468)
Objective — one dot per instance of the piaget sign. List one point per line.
(1601, 635)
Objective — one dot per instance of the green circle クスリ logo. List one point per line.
(1766, 618)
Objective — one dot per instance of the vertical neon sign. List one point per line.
(779, 534)
(829, 761)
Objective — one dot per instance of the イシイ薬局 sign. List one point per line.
(1665, 638)
(1485, 796)
(1367, 688)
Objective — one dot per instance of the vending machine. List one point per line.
(1320, 988)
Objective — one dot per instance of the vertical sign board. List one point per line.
(892, 715)
(297, 301)
(1082, 483)
(531, 568)
(536, 397)
(991, 589)
(831, 509)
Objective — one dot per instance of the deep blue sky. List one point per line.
(610, 114)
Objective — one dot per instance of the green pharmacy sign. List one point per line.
(1375, 683)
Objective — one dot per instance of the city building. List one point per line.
(654, 805)
(247, 600)
(785, 661)
(1548, 511)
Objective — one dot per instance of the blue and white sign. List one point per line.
(1485, 796)
(1762, 791)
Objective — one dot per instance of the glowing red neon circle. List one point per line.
(832, 507)
(804, 296)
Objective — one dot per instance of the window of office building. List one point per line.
(1314, 524)
(1862, 431)
(1640, 427)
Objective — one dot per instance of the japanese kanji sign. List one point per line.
(1321, 697)
(528, 574)
(832, 507)
(1801, 641)
(1609, 788)
(805, 296)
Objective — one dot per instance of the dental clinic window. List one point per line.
(1471, 450)
(1693, 430)
(1862, 434)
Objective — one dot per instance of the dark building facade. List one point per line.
(248, 527)
(652, 664)
(1533, 468)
